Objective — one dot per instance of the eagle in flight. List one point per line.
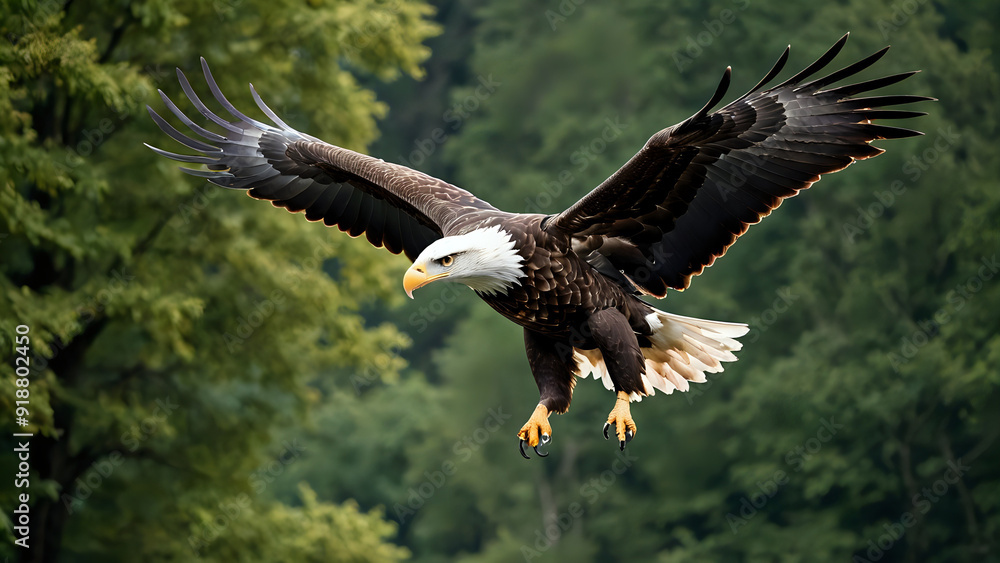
(573, 280)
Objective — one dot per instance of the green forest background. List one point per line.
(215, 380)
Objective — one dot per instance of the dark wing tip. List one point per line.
(890, 113)
(181, 138)
(221, 98)
(775, 69)
(183, 157)
(268, 111)
(845, 72)
(720, 91)
(821, 62)
(890, 132)
(868, 85)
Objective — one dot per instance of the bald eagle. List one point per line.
(573, 280)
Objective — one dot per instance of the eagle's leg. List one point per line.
(625, 363)
(554, 369)
(536, 431)
(621, 418)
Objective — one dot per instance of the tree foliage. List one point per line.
(174, 329)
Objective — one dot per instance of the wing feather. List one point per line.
(364, 216)
(376, 226)
(694, 188)
(393, 237)
(319, 208)
(396, 207)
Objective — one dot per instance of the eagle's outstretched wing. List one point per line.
(694, 188)
(394, 206)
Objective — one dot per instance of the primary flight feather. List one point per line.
(573, 280)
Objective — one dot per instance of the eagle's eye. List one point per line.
(447, 260)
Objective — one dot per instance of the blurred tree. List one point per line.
(174, 329)
(871, 371)
(315, 532)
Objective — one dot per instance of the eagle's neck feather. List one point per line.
(496, 265)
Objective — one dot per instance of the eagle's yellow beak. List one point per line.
(416, 277)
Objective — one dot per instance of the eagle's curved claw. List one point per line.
(621, 418)
(520, 447)
(536, 432)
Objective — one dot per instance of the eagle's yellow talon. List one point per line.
(537, 429)
(621, 419)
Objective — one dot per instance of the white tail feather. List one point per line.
(683, 350)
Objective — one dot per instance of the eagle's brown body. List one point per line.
(561, 289)
(572, 279)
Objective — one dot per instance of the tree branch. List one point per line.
(968, 505)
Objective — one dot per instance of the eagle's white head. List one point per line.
(483, 259)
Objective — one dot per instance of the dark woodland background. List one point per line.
(216, 380)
